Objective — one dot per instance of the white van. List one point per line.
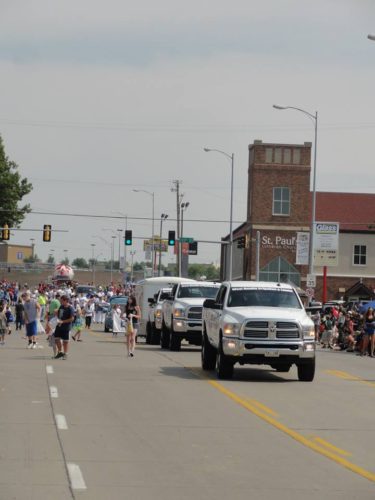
(145, 289)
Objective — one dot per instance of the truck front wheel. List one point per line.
(306, 371)
(208, 354)
(224, 367)
(164, 337)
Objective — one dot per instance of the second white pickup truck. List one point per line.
(182, 313)
(253, 322)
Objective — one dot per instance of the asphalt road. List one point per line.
(103, 426)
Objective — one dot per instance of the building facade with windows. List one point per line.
(277, 227)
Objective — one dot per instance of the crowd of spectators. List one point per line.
(346, 327)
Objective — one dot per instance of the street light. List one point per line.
(132, 253)
(231, 157)
(93, 263)
(119, 248)
(163, 217)
(125, 247)
(183, 207)
(32, 246)
(112, 255)
(312, 228)
(152, 194)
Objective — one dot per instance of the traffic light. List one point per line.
(47, 232)
(171, 238)
(5, 233)
(128, 237)
(241, 242)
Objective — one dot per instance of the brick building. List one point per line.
(279, 211)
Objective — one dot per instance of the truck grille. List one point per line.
(195, 313)
(271, 330)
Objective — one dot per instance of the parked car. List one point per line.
(120, 300)
(85, 289)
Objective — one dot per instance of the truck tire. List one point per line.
(208, 354)
(148, 332)
(224, 367)
(306, 371)
(175, 342)
(155, 337)
(164, 337)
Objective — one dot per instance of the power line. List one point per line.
(117, 217)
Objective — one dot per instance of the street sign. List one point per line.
(326, 243)
(311, 281)
(186, 240)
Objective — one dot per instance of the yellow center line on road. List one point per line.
(349, 376)
(332, 447)
(293, 434)
(263, 407)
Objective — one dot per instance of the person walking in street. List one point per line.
(30, 312)
(19, 314)
(3, 323)
(89, 312)
(133, 315)
(65, 318)
(117, 326)
(78, 323)
(369, 332)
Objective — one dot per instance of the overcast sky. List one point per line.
(100, 98)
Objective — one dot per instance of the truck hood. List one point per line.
(241, 314)
(189, 302)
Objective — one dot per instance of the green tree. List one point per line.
(31, 259)
(80, 262)
(196, 271)
(51, 259)
(65, 261)
(12, 189)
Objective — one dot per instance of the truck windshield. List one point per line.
(263, 298)
(207, 292)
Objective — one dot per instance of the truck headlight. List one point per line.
(309, 332)
(158, 313)
(179, 313)
(231, 328)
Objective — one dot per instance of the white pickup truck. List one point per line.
(154, 321)
(182, 313)
(260, 323)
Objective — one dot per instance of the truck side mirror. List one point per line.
(151, 301)
(210, 304)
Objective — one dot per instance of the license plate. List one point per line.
(272, 354)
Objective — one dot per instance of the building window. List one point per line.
(269, 155)
(296, 156)
(359, 255)
(278, 153)
(287, 155)
(281, 201)
(279, 270)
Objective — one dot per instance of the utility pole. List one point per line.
(176, 189)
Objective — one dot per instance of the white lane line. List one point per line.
(49, 369)
(61, 422)
(54, 392)
(76, 478)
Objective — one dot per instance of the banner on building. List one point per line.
(302, 248)
(326, 243)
